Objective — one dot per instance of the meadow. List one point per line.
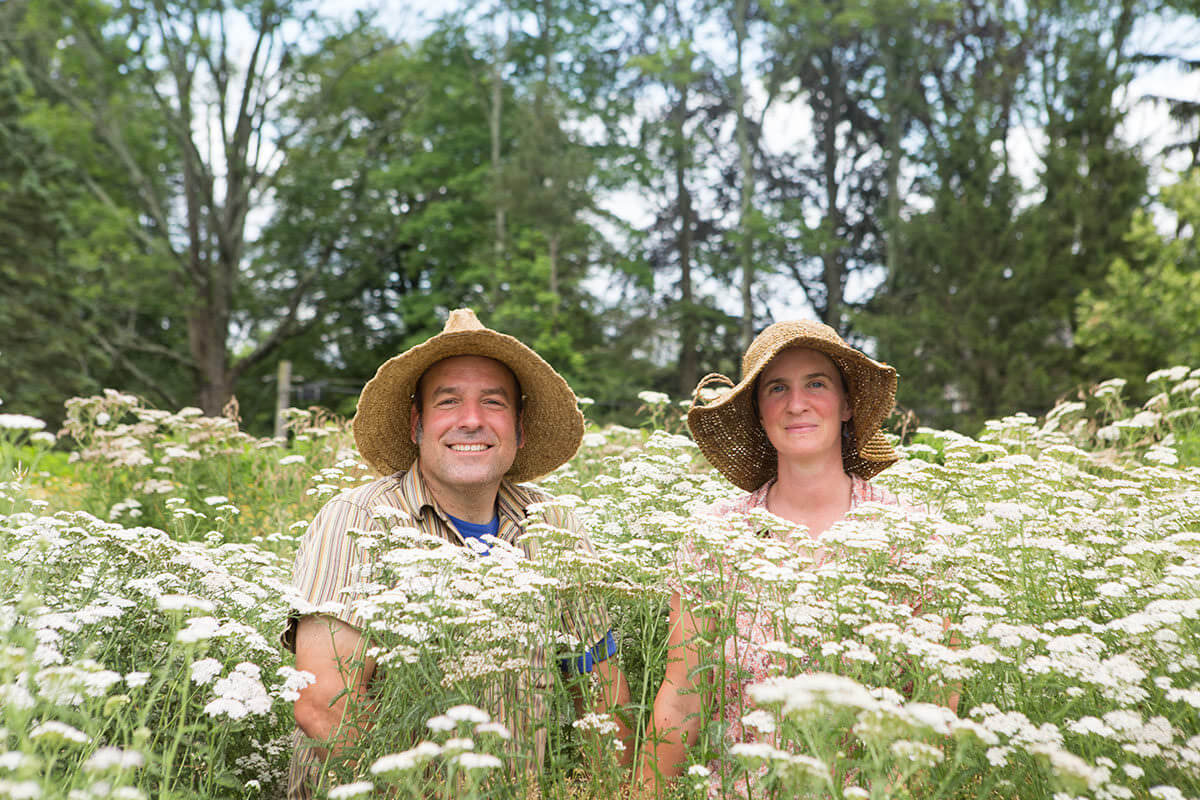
(1053, 587)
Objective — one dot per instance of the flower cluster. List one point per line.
(1032, 633)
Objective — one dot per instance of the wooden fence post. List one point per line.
(283, 392)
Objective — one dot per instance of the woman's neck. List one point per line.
(813, 496)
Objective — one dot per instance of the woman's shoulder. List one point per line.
(864, 491)
(700, 549)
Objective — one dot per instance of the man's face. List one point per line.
(467, 432)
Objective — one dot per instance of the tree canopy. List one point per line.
(193, 191)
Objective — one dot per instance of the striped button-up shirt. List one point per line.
(328, 567)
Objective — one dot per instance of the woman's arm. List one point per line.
(678, 707)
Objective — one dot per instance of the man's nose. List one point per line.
(471, 416)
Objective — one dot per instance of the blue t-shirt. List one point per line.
(598, 652)
(470, 530)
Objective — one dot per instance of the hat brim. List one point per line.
(730, 435)
(550, 417)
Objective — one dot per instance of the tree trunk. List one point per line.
(206, 339)
(546, 97)
(834, 276)
(688, 360)
(747, 240)
(552, 248)
(893, 154)
(497, 167)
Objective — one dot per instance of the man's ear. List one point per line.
(414, 420)
(520, 431)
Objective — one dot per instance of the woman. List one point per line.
(800, 433)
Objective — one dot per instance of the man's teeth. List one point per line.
(468, 448)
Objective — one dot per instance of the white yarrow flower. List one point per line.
(21, 422)
(495, 728)
(20, 790)
(653, 398)
(59, 731)
(205, 670)
(198, 629)
(409, 759)
(356, 789)
(293, 681)
(441, 723)
(135, 679)
(478, 761)
(468, 713)
(1170, 375)
(184, 602)
(114, 758)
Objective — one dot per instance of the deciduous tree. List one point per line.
(212, 73)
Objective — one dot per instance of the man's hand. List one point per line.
(333, 652)
(610, 696)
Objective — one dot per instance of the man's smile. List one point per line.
(469, 448)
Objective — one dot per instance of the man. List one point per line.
(452, 424)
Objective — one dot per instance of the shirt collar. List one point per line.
(511, 502)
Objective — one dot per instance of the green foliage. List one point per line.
(1136, 321)
(956, 318)
(978, 311)
(110, 308)
(198, 477)
(47, 351)
(491, 162)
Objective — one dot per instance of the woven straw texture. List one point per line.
(550, 416)
(731, 437)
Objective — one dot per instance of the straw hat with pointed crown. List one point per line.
(550, 416)
(732, 438)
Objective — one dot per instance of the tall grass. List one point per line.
(143, 585)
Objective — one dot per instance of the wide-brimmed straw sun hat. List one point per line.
(732, 438)
(550, 416)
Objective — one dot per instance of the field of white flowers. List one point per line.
(145, 556)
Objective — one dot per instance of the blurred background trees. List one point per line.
(192, 191)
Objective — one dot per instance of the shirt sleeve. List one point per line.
(329, 566)
(585, 620)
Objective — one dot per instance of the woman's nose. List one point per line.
(797, 402)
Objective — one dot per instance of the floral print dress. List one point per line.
(747, 657)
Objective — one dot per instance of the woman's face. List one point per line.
(802, 404)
